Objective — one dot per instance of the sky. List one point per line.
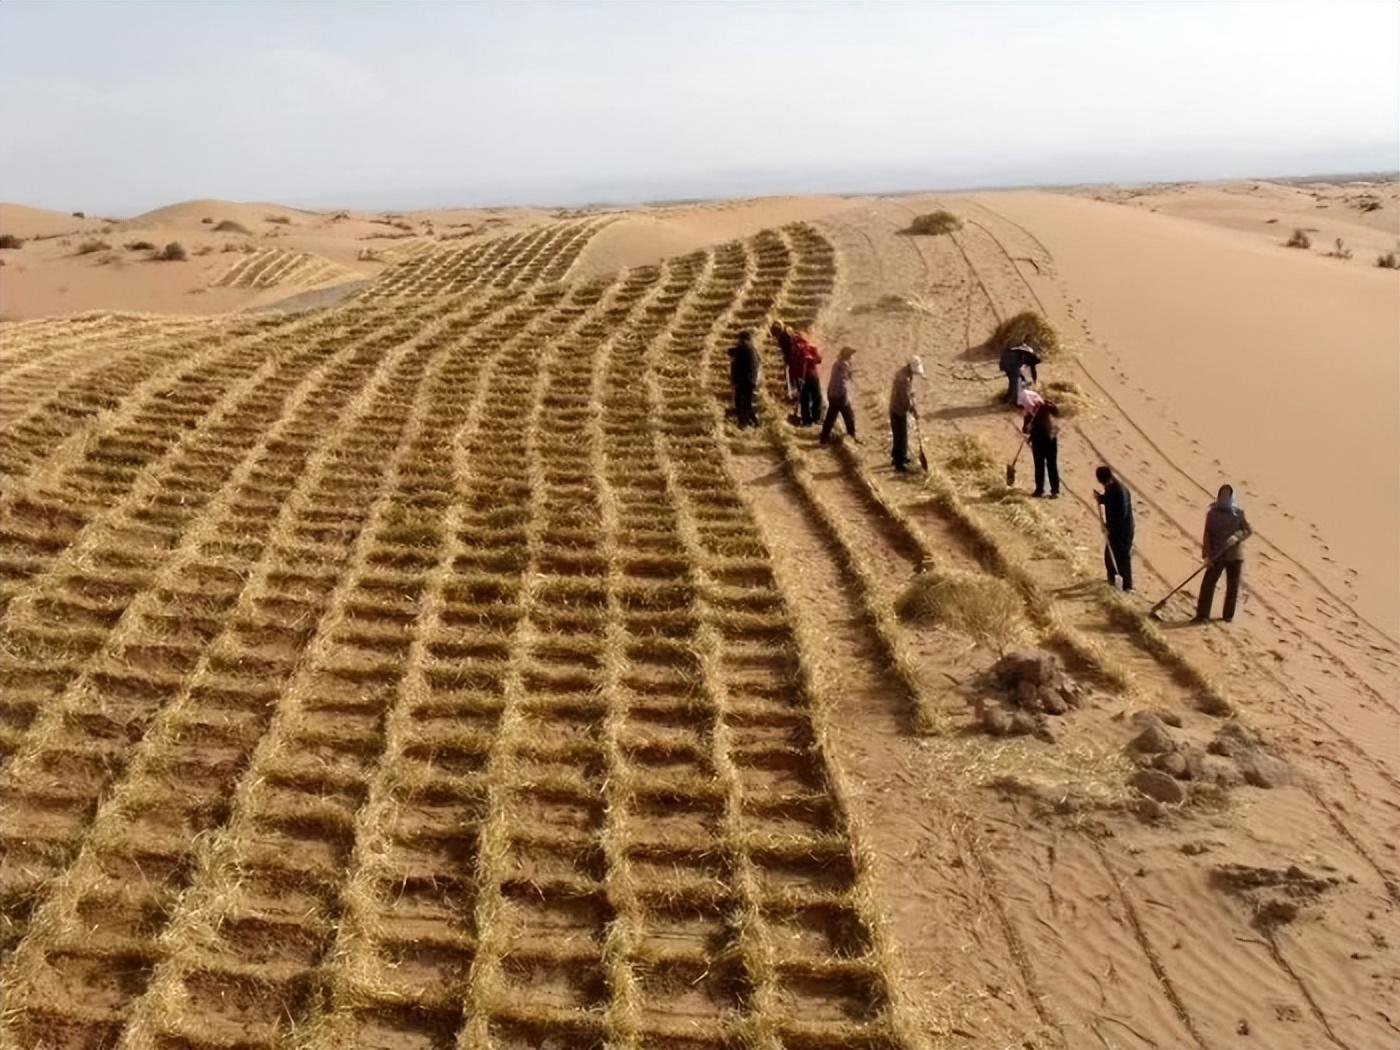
(116, 108)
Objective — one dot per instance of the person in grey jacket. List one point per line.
(1226, 529)
(838, 395)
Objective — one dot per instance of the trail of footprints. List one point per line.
(426, 684)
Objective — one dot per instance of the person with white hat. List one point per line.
(902, 406)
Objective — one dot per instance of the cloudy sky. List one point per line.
(120, 107)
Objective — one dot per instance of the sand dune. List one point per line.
(442, 646)
(1279, 366)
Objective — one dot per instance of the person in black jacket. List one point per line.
(743, 377)
(1042, 424)
(1013, 360)
(1117, 504)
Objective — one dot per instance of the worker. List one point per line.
(1013, 360)
(1226, 529)
(838, 395)
(743, 377)
(902, 406)
(1042, 425)
(1117, 504)
(785, 337)
(809, 382)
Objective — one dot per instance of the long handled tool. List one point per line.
(1156, 609)
(1011, 467)
(1108, 545)
(919, 437)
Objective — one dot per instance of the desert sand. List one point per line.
(402, 647)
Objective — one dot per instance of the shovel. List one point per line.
(1107, 546)
(1155, 611)
(1011, 467)
(919, 437)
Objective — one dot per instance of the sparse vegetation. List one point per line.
(278, 220)
(1026, 327)
(9, 240)
(890, 304)
(79, 215)
(970, 453)
(934, 223)
(139, 246)
(976, 604)
(172, 252)
(94, 245)
(1340, 250)
(1300, 239)
(229, 226)
(206, 220)
(1370, 204)
(1388, 261)
(1067, 395)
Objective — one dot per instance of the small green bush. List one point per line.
(935, 223)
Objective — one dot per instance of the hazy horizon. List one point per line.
(415, 105)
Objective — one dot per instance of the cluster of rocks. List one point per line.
(1275, 895)
(1168, 767)
(1033, 684)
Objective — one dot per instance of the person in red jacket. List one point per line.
(809, 386)
(786, 339)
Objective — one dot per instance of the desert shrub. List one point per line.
(1370, 205)
(229, 226)
(172, 252)
(204, 249)
(9, 240)
(280, 220)
(1028, 327)
(935, 223)
(139, 246)
(79, 215)
(1066, 393)
(974, 604)
(1388, 261)
(94, 245)
(206, 220)
(1341, 251)
(1300, 239)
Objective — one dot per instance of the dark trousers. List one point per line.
(899, 435)
(842, 409)
(743, 405)
(1118, 555)
(1047, 461)
(1013, 387)
(1234, 571)
(810, 401)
